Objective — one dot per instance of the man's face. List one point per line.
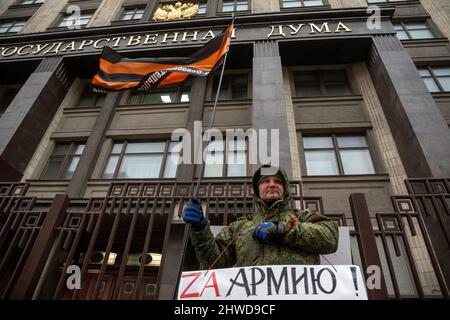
(271, 189)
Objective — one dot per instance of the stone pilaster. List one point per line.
(41, 154)
(295, 155)
(419, 129)
(106, 12)
(4, 5)
(45, 16)
(385, 141)
(440, 14)
(259, 6)
(93, 146)
(269, 105)
(26, 119)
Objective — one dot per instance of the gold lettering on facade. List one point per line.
(151, 38)
(70, 47)
(315, 28)
(173, 37)
(12, 51)
(96, 43)
(85, 43)
(193, 36)
(280, 31)
(175, 11)
(20, 51)
(210, 34)
(342, 27)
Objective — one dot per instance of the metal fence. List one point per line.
(119, 242)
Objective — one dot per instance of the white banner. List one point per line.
(280, 282)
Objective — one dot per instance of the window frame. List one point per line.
(220, 7)
(126, 8)
(13, 21)
(320, 69)
(179, 92)
(212, 95)
(96, 97)
(34, 3)
(385, 1)
(205, 2)
(407, 31)
(225, 164)
(122, 154)
(63, 15)
(434, 77)
(67, 158)
(335, 149)
(325, 3)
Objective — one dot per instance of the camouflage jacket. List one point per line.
(307, 234)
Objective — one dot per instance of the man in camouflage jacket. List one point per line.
(276, 234)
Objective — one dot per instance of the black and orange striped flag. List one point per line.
(119, 73)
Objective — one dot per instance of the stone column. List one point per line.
(440, 14)
(180, 253)
(149, 10)
(45, 16)
(26, 119)
(269, 105)
(212, 8)
(4, 5)
(106, 12)
(417, 125)
(265, 6)
(295, 154)
(42, 152)
(384, 140)
(94, 143)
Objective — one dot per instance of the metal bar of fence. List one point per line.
(366, 241)
(28, 278)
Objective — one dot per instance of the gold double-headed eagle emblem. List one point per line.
(175, 11)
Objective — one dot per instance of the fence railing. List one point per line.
(119, 242)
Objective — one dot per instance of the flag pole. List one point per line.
(213, 117)
(202, 167)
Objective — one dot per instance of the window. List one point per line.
(25, 2)
(175, 93)
(231, 162)
(91, 99)
(300, 3)
(63, 161)
(337, 155)
(141, 159)
(73, 21)
(437, 79)
(417, 30)
(233, 87)
(202, 8)
(312, 83)
(132, 14)
(380, 1)
(234, 5)
(11, 26)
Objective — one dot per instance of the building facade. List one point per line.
(359, 91)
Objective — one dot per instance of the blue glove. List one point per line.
(269, 232)
(193, 214)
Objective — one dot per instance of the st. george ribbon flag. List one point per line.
(119, 73)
